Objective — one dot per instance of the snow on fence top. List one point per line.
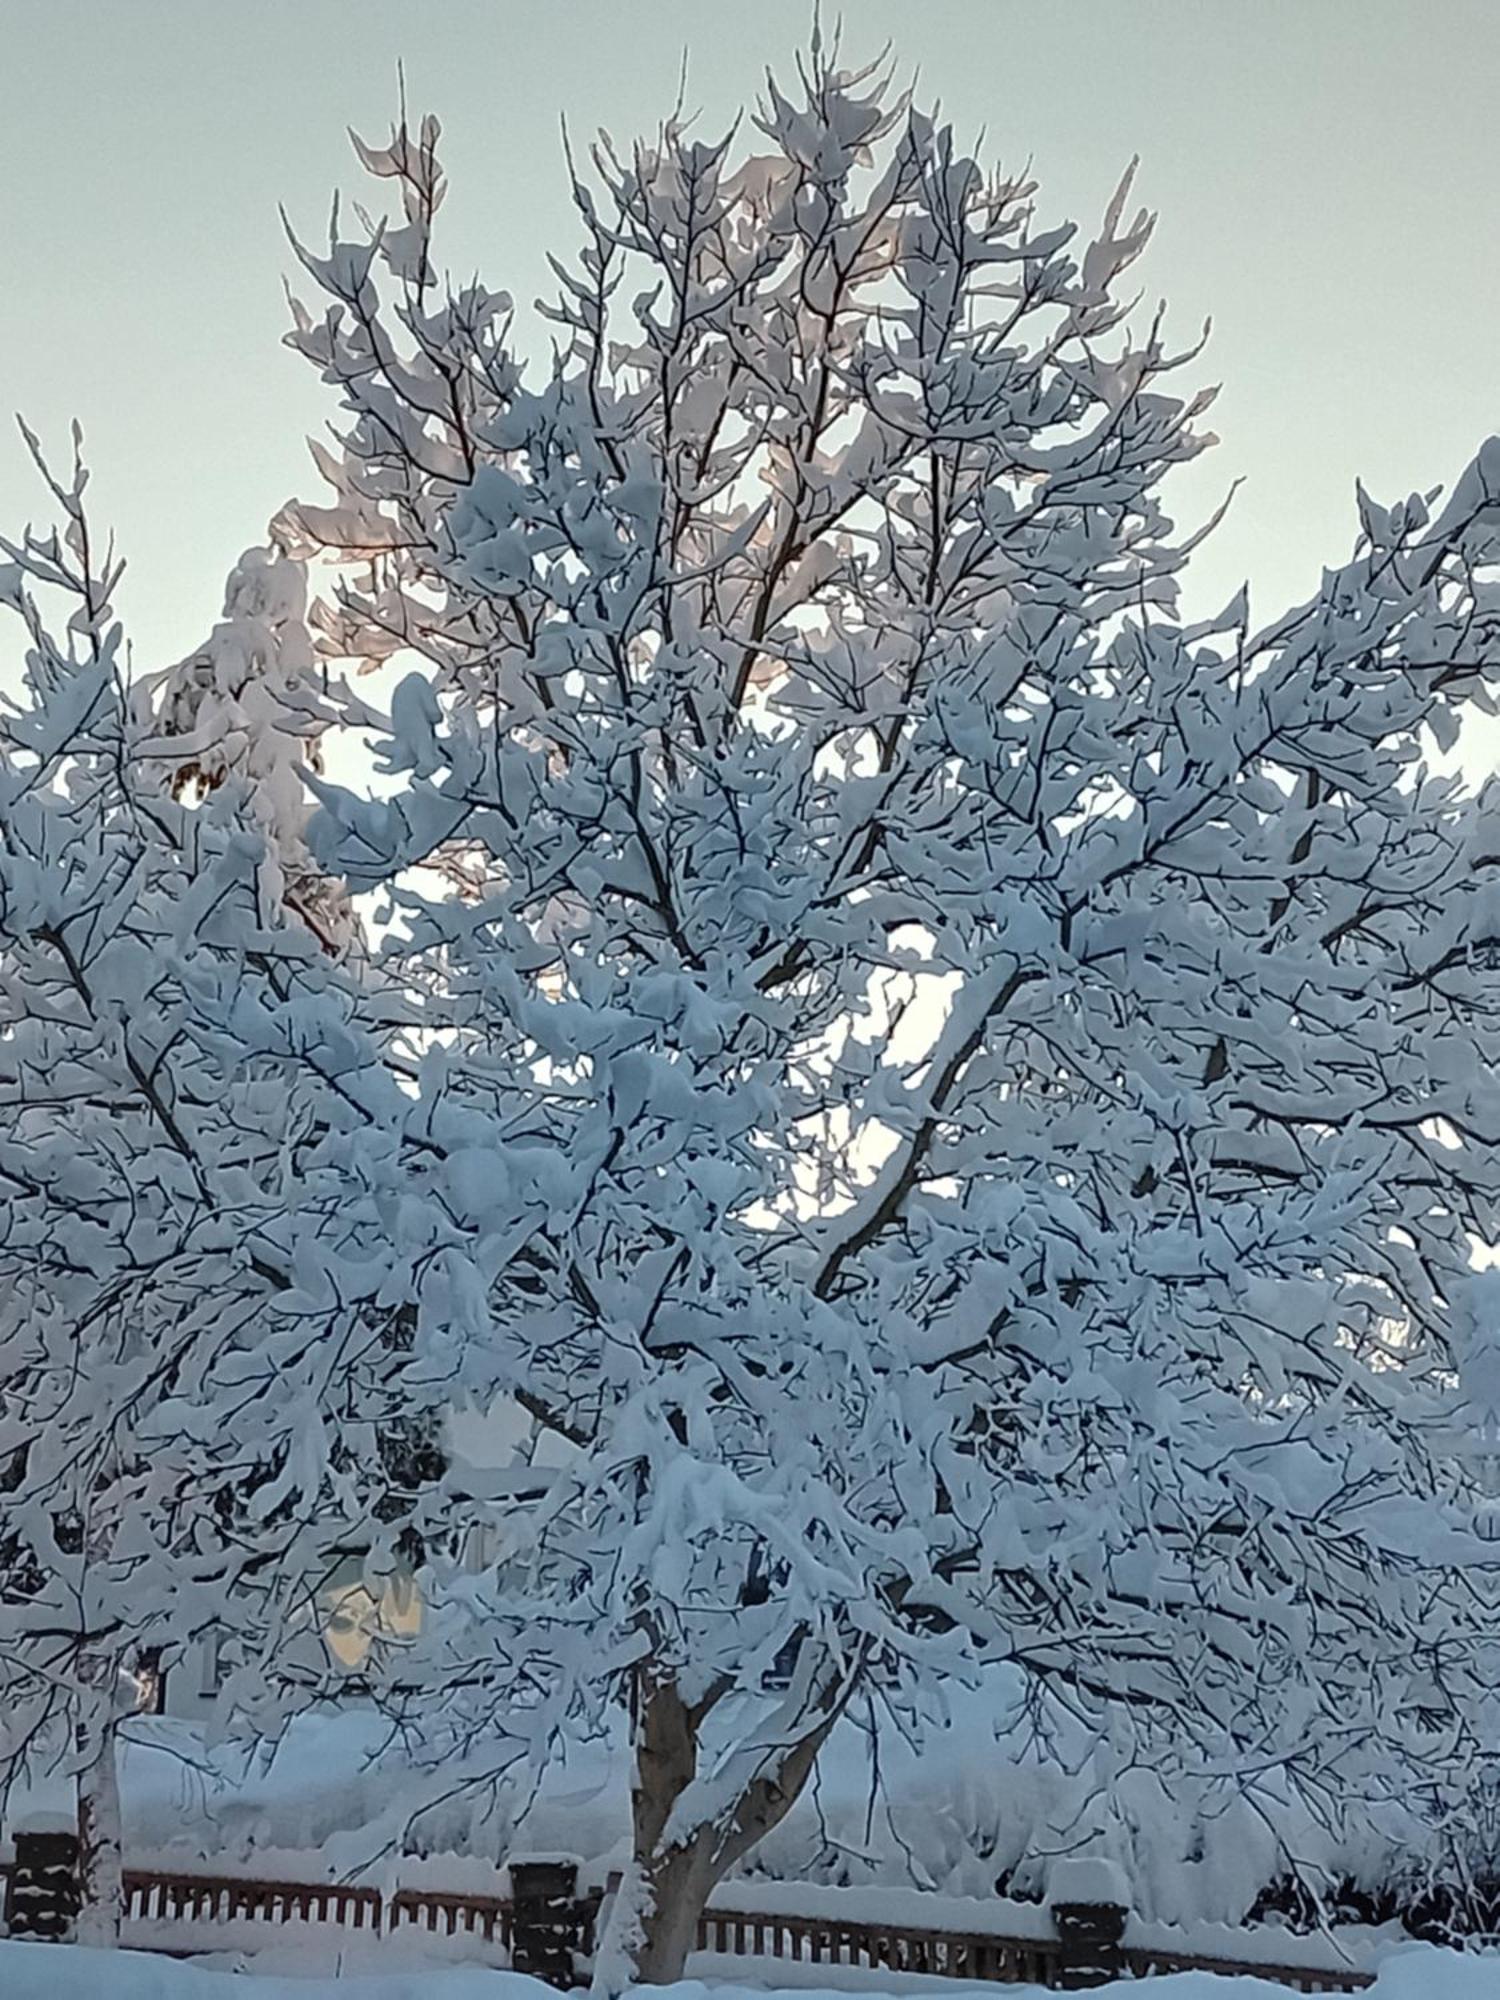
(996, 1916)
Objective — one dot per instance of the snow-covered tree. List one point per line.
(195, 1103)
(942, 1103)
(939, 1107)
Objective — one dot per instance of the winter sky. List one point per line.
(1323, 170)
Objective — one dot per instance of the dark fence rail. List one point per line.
(153, 1895)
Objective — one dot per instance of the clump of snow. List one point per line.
(621, 1931)
(1087, 1878)
(40, 1821)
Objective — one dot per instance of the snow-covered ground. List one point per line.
(60, 1972)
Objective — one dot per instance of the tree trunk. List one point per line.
(653, 1924)
(100, 1835)
(677, 1885)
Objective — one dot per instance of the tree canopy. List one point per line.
(950, 1101)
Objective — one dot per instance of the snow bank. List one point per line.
(337, 1803)
(344, 1799)
(69, 1972)
(968, 1815)
(63, 1972)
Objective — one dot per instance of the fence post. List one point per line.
(546, 1922)
(1090, 1907)
(44, 1894)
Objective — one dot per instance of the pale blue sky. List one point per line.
(1325, 173)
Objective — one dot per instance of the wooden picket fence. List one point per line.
(190, 1899)
(151, 1896)
(207, 1899)
(999, 1960)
